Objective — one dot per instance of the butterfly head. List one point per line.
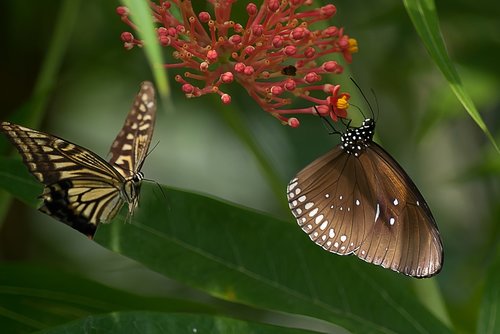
(355, 140)
(131, 190)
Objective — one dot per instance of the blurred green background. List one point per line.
(420, 122)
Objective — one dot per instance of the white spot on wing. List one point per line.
(323, 226)
(331, 234)
(377, 214)
(313, 212)
(302, 198)
(392, 221)
(308, 205)
(343, 238)
(318, 219)
(358, 202)
(292, 186)
(395, 202)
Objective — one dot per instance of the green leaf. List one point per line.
(425, 19)
(33, 298)
(142, 17)
(489, 314)
(246, 257)
(155, 322)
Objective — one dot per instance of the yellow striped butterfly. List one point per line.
(82, 189)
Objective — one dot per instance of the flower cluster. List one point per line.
(275, 55)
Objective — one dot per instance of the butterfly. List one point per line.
(356, 199)
(82, 189)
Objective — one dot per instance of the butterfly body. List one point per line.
(357, 199)
(82, 189)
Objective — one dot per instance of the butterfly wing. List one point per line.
(347, 205)
(130, 147)
(404, 236)
(323, 209)
(81, 188)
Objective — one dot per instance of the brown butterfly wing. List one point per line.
(130, 147)
(369, 207)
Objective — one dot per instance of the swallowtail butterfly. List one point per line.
(82, 189)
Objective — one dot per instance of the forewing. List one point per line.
(51, 159)
(404, 236)
(130, 147)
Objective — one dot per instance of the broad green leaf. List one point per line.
(243, 256)
(489, 314)
(33, 298)
(246, 257)
(424, 17)
(166, 323)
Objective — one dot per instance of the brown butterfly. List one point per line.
(82, 189)
(357, 199)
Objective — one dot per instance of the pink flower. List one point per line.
(276, 55)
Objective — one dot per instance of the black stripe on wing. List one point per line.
(50, 158)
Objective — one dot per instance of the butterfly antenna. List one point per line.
(161, 190)
(147, 154)
(151, 150)
(327, 124)
(359, 109)
(364, 97)
(376, 102)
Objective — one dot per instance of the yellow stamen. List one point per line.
(353, 45)
(342, 103)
